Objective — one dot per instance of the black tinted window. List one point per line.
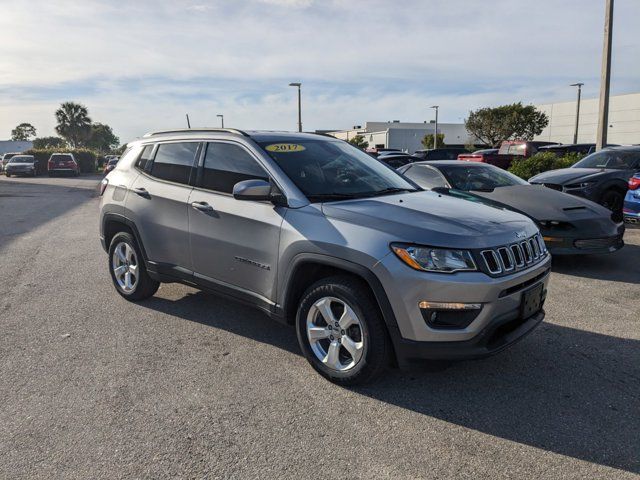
(174, 161)
(426, 177)
(144, 162)
(226, 164)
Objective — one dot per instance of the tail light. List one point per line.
(634, 183)
(103, 185)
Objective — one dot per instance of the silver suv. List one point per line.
(316, 233)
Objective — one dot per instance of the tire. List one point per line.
(124, 252)
(8, 174)
(339, 365)
(613, 200)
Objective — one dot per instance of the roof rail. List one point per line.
(196, 130)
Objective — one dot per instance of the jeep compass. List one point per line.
(369, 268)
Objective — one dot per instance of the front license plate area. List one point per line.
(532, 301)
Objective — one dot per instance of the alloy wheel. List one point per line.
(335, 333)
(125, 267)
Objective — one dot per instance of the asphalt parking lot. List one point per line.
(189, 385)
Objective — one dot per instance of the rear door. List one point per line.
(234, 243)
(157, 204)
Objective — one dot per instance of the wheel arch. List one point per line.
(113, 223)
(306, 269)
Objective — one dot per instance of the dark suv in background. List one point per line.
(602, 176)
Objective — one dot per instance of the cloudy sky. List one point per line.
(141, 65)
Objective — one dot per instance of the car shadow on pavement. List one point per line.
(621, 266)
(563, 390)
(25, 206)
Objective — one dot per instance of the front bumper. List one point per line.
(501, 333)
(501, 300)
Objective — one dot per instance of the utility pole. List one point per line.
(221, 119)
(575, 133)
(435, 135)
(188, 122)
(605, 78)
(298, 84)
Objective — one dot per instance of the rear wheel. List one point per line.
(128, 272)
(613, 200)
(341, 332)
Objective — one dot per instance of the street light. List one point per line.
(435, 136)
(298, 84)
(221, 119)
(575, 133)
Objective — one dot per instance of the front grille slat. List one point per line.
(514, 257)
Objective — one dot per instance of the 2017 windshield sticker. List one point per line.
(285, 147)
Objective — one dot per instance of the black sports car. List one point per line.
(601, 176)
(569, 224)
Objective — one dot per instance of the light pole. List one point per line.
(298, 84)
(435, 135)
(575, 133)
(221, 119)
(605, 78)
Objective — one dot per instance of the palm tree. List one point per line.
(74, 123)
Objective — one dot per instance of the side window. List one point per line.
(144, 162)
(174, 161)
(226, 164)
(426, 177)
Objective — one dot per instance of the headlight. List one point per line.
(431, 259)
(579, 186)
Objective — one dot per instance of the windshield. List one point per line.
(479, 178)
(21, 160)
(61, 158)
(113, 161)
(332, 170)
(614, 159)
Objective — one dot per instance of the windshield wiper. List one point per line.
(390, 190)
(481, 189)
(333, 196)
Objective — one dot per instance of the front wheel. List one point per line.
(341, 332)
(128, 272)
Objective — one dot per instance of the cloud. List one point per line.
(142, 65)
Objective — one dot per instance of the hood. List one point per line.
(566, 176)
(433, 219)
(543, 203)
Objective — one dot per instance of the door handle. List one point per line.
(142, 192)
(202, 206)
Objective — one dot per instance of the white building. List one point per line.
(404, 135)
(11, 146)
(624, 120)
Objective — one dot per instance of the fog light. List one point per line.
(450, 306)
(449, 315)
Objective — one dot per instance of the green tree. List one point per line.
(427, 141)
(102, 138)
(74, 124)
(49, 142)
(23, 132)
(507, 122)
(359, 141)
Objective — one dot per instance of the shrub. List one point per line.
(526, 168)
(87, 159)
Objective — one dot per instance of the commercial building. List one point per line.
(404, 135)
(10, 146)
(624, 120)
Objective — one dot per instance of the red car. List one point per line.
(63, 163)
(508, 151)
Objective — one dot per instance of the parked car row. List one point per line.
(569, 224)
(26, 165)
(602, 177)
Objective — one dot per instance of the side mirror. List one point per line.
(256, 190)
